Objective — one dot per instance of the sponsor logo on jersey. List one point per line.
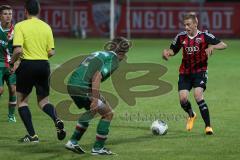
(191, 50)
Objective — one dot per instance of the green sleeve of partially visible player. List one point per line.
(3, 47)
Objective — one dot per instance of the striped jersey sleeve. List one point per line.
(211, 39)
(176, 44)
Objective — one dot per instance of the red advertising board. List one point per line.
(146, 19)
(164, 19)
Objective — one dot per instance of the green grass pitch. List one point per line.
(130, 136)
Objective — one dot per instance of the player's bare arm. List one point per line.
(96, 80)
(219, 46)
(167, 53)
(51, 53)
(17, 52)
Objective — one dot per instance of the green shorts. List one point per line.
(6, 76)
(82, 96)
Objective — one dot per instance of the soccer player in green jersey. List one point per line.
(83, 87)
(6, 50)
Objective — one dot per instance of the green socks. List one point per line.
(102, 132)
(12, 105)
(80, 129)
(101, 136)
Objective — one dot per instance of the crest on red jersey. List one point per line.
(198, 40)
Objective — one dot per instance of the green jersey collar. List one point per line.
(4, 30)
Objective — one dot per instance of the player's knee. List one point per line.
(108, 116)
(183, 99)
(12, 91)
(42, 101)
(198, 96)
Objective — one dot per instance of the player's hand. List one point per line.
(209, 51)
(12, 70)
(166, 54)
(14, 67)
(94, 106)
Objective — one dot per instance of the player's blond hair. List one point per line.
(191, 15)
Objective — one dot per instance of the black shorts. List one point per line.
(33, 73)
(189, 81)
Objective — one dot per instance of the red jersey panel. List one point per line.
(194, 56)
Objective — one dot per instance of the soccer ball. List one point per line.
(159, 127)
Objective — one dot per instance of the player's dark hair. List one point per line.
(118, 44)
(5, 7)
(190, 15)
(32, 7)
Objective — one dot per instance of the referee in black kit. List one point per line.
(33, 44)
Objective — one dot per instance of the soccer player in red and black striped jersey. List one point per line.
(197, 46)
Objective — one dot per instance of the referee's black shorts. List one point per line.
(33, 73)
